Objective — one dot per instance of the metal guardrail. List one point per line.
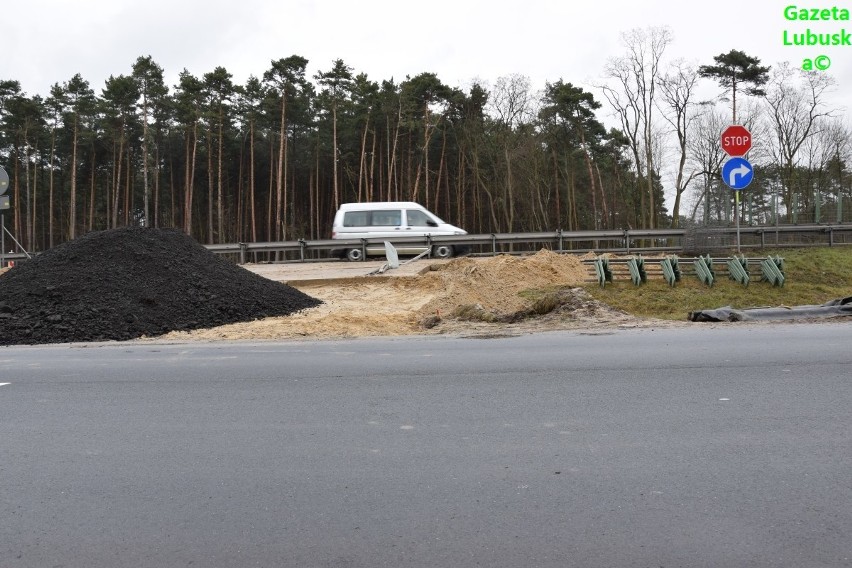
(672, 269)
(675, 241)
(481, 244)
(633, 241)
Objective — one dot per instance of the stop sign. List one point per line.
(736, 140)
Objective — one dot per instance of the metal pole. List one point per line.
(777, 198)
(2, 240)
(737, 216)
(817, 214)
(839, 207)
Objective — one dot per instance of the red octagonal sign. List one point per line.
(736, 140)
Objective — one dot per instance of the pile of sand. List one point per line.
(388, 305)
(495, 283)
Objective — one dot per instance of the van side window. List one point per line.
(419, 219)
(388, 218)
(356, 219)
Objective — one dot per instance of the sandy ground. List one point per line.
(465, 296)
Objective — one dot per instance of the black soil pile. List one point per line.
(127, 283)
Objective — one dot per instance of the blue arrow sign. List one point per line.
(737, 173)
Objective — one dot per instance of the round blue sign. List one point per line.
(737, 173)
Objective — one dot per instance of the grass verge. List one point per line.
(814, 276)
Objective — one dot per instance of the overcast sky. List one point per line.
(48, 41)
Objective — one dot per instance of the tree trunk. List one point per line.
(334, 158)
(557, 191)
(92, 195)
(117, 180)
(279, 182)
(588, 159)
(440, 174)
(603, 197)
(156, 212)
(362, 173)
(128, 188)
(72, 219)
(220, 206)
(210, 184)
(50, 192)
(510, 191)
(145, 160)
(191, 157)
(251, 184)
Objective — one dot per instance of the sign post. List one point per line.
(737, 173)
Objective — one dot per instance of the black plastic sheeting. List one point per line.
(834, 308)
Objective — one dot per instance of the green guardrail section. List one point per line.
(704, 270)
(602, 271)
(773, 270)
(738, 270)
(636, 265)
(671, 270)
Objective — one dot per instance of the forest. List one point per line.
(272, 159)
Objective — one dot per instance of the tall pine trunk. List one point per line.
(72, 219)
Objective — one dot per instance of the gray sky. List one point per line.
(48, 41)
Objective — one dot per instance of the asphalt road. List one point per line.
(704, 446)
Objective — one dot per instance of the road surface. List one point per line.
(722, 446)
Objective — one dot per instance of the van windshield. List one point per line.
(417, 218)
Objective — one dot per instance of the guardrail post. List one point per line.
(242, 253)
(559, 236)
(302, 245)
(363, 250)
(627, 241)
(429, 245)
(493, 244)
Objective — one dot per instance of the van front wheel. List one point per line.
(442, 251)
(354, 255)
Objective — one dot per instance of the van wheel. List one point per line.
(354, 255)
(442, 251)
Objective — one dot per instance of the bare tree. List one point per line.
(511, 101)
(821, 154)
(797, 112)
(512, 105)
(706, 153)
(678, 88)
(636, 75)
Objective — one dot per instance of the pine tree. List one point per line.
(734, 69)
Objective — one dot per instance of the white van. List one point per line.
(388, 220)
